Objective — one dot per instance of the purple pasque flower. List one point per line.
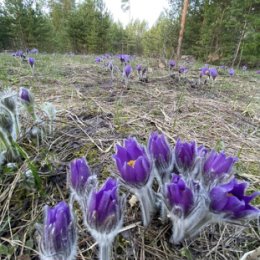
(28, 101)
(172, 64)
(162, 154)
(34, 51)
(258, 72)
(231, 72)
(204, 72)
(229, 199)
(103, 215)
(185, 156)
(136, 170)
(179, 196)
(133, 163)
(58, 236)
(185, 207)
(26, 96)
(218, 164)
(121, 58)
(127, 70)
(19, 53)
(139, 68)
(213, 73)
(183, 69)
(202, 151)
(124, 58)
(98, 59)
(79, 176)
(104, 209)
(31, 62)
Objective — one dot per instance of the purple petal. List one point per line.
(79, 173)
(159, 147)
(218, 163)
(142, 170)
(134, 150)
(230, 198)
(128, 174)
(109, 184)
(233, 204)
(247, 199)
(179, 194)
(239, 190)
(218, 199)
(105, 206)
(122, 153)
(25, 95)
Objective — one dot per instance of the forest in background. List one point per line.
(217, 31)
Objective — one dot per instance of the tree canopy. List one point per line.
(217, 31)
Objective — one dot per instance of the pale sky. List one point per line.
(148, 10)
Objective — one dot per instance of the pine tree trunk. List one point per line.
(183, 21)
(239, 44)
(242, 35)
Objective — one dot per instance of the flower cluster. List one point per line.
(102, 210)
(195, 187)
(22, 55)
(121, 67)
(231, 71)
(124, 71)
(211, 73)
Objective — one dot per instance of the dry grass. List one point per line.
(93, 115)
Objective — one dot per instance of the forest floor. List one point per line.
(93, 115)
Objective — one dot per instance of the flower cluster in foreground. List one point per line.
(196, 186)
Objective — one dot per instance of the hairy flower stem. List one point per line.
(191, 225)
(160, 203)
(105, 251)
(13, 149)
(163, 213)
(178, 230)
(146, 199)
(7, 141)
(31, 111)
(17, 126)
(126, 82)
(51, 126)
(32, 70)
(112, 74)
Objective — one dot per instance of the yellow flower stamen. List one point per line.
(131, 163)
(230, 194)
